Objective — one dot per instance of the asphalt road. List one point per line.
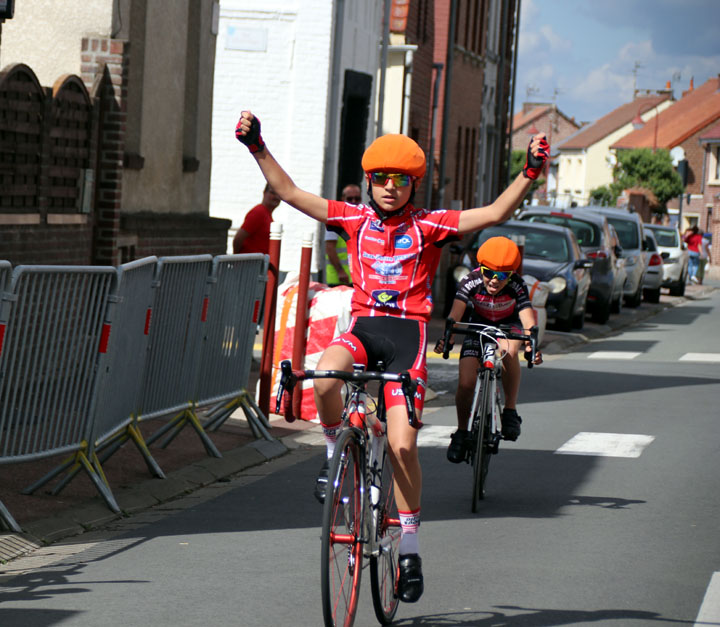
(605, 511)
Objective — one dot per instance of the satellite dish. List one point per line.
(677, 154)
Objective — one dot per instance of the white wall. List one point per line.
(46, 34)
(274, 58)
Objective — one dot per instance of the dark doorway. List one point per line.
(353, 128)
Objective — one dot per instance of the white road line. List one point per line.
(606, 444)
(709, 613)
(712, 357)
(435, 435)
(613, 355)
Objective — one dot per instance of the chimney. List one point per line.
(667, 85)
(690, 87)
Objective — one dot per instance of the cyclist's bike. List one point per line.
(360, 517)
(487, 403)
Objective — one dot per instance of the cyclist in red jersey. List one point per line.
(395, 250)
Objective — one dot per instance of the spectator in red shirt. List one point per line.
(254, 234)
(693, 239)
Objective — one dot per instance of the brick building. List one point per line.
(710, 143)
(113, 162)
(679, 128)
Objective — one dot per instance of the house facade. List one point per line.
(709, 220)
(308, 70)
(585, 161)
(679, 129)
(127, 174)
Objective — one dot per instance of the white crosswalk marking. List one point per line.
(435, 435)
(712, 357)
(613, 355)
(606, 444)
(709, 613)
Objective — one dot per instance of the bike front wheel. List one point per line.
(481, 439)
(342, 549)
(384, 565)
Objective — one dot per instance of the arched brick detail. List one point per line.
(71, 149)
(21, 139)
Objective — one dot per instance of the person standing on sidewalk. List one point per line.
(704, 257)
(395, 252)
(693, 239)
(337, 270)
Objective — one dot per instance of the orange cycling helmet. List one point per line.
(499, 253)
(394, 153)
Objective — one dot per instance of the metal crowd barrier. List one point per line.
(55, 342)
(128, 318)
(235, 292)
(87, 353)
(231, 305)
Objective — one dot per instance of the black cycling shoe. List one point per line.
(457, 449)
(510, 424)
(410, 579)
(321, 482)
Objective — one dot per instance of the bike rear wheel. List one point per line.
(481, 439)
(384, 565)
(342, 549)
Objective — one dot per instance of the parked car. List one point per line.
(598, 241)
(654, 275)
(551, 254)
(675, 257)
(629, 228)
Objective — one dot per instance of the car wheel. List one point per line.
(602, 312)
(635, 299)
(578, 321)
(616, 305)
(563, 324)
(652, 296)
(678, 289)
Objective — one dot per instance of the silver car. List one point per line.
(629, 229)
(654, 274)
(675, 257)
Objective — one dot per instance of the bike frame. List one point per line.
(357, 504)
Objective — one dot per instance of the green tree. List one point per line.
(603, 196)
(642, 167)
(517, 163)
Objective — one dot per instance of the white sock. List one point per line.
(410, 522)
(331, 435)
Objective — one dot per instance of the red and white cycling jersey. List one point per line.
(393, 263)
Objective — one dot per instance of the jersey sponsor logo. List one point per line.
(386, 298)
(399, 392)
(387, 269)
(376, 225)
(349, 343)
(379, 240)
(403, 241)
(388, 258)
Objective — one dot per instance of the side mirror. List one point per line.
(584, 263)
(618, 250)
(665, 255)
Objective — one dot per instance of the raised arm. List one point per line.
(500, 210)
(247, 132)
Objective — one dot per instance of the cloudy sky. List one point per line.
(583, 52)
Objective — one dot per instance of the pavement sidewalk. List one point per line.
(46, 518)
